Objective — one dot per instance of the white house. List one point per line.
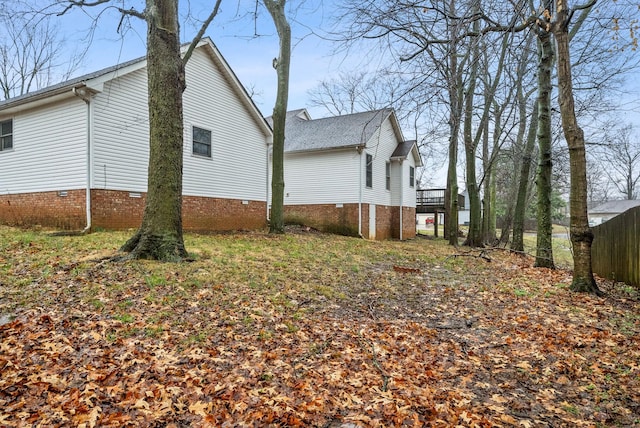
(352, 174)
(75, 155)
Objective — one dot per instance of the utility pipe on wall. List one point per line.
(401, 196)
(83, 94)
(360, 150)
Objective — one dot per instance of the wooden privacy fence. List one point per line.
(615, 251)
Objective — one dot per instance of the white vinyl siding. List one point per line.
(323, 177)
(381, 146)
(237, 168)
(121, 134)
(409, 196)
(49, 149)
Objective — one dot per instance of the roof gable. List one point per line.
(405, 148)
(338, 132)
(94, 82)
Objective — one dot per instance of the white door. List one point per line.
(372, 221)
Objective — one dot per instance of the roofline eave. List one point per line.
(327, 149)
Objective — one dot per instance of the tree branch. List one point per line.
(201, 32)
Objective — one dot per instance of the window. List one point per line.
(369, 170)
(201, 142)
(6, 135)
(388, 175)
(412, 176)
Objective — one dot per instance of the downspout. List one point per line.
(360, 149)
(268, 193)
(401, 196)
(85, 96)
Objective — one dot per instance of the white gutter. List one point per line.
(85, 95)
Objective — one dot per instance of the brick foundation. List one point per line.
(327, 217)
(207, 214)
(49, 209)
(344, 220)
(112, 209)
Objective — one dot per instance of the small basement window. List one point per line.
(201, 142)
(6, 135)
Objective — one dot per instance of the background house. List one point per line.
(352, 174)
(607, 210)
(76, 154)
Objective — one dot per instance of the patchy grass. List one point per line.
(306, 329)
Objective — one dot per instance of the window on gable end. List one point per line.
(369, 170)
(387, 175)
(412, 176)
(201, 142)
(6, 135)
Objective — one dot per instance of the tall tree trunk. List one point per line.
(474, 238)
(281, 64)
(581, 235)
(160, 235)
(454, 89)
(544, 249)
(489, 201)
(523, 183)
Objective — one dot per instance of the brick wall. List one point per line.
(408, 223)
(113, 209)
(344, 220)
(206, 214)
(387, 222)
(49, 209)
(328, 218)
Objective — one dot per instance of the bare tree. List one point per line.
(558, 22)
(622, 155)
(32, 54)
(160, 235)
(599, 186)
(282, 64)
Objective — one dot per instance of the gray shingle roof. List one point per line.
(403, 149)
(351, 130)
(53, 89)
(614, 207)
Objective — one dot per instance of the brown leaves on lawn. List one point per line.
(350, 341)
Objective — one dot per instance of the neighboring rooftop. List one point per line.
(351, 130)
(615, 207)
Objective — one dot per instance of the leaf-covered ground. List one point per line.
(306, 330)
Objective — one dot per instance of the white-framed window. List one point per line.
(412, 176)
(201, 142)
(369, 170)
(387, 178)
(6, 135)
